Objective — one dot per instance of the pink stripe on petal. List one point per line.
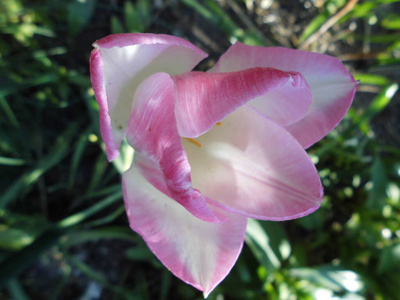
(159, 152)
(199, 253)
(252, 166)
(96, 77)
(203, 99)
(333, 87)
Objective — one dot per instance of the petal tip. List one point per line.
(112, 154)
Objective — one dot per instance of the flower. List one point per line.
(212, 149)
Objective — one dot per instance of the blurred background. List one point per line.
(63, 229)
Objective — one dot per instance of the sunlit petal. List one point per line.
(120, 62)
(203, 99)
(253, 166)
(198, 252)
(332, 86)
(159, 151)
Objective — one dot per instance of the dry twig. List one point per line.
(328, 24)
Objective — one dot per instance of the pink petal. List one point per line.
(333, 87)
(120, 62)
(199, 253)
(203, 99)
(159, 152)
(251, 165)
(96, 76)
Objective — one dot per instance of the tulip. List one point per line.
(214, 148)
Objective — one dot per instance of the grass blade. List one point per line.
(17, 262)
(55, 155)
(83, 215)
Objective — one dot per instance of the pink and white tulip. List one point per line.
(212, 149)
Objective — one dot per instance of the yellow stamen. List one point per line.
(218, 123)
(193, 141)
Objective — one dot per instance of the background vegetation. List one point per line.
(63, 229)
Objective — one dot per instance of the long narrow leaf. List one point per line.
(83, 215)
(55, 155)
(19, 261)
(259, 242)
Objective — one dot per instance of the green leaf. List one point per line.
(389, 259)
(380, 102)
(383, 99)
(137, 17)
(55, 155)
(17, 262)
(377, 195)
(99, 169)
(381, 38)
(14, 239)
(224, 21)
(9, 113)
(8, 161)
(165, 284)
(131, 18)
(83, 215)
(371, 79)
(259, 243)
(15, 87)
(139, 254)
(313, 26)
(144, 10)
(363, 9)
(74, 238)
(16, 290)
(79, 149)
(392, 22)
(212, 12)
(79, 14)
(97, 276)
(100, 192)
(313, 221)
(277, 239)
(116, 25)
(331, 278)
(107, 219)
(200, 9)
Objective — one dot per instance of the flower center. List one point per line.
(197, 143)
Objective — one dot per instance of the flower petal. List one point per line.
(198, 252)
(333, 87)
(203, 99)
(251, 165)
(120, 62)
(158, 148)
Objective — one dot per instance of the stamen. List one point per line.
(193, 141)
(218, 123)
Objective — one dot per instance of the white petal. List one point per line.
(198, 252)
